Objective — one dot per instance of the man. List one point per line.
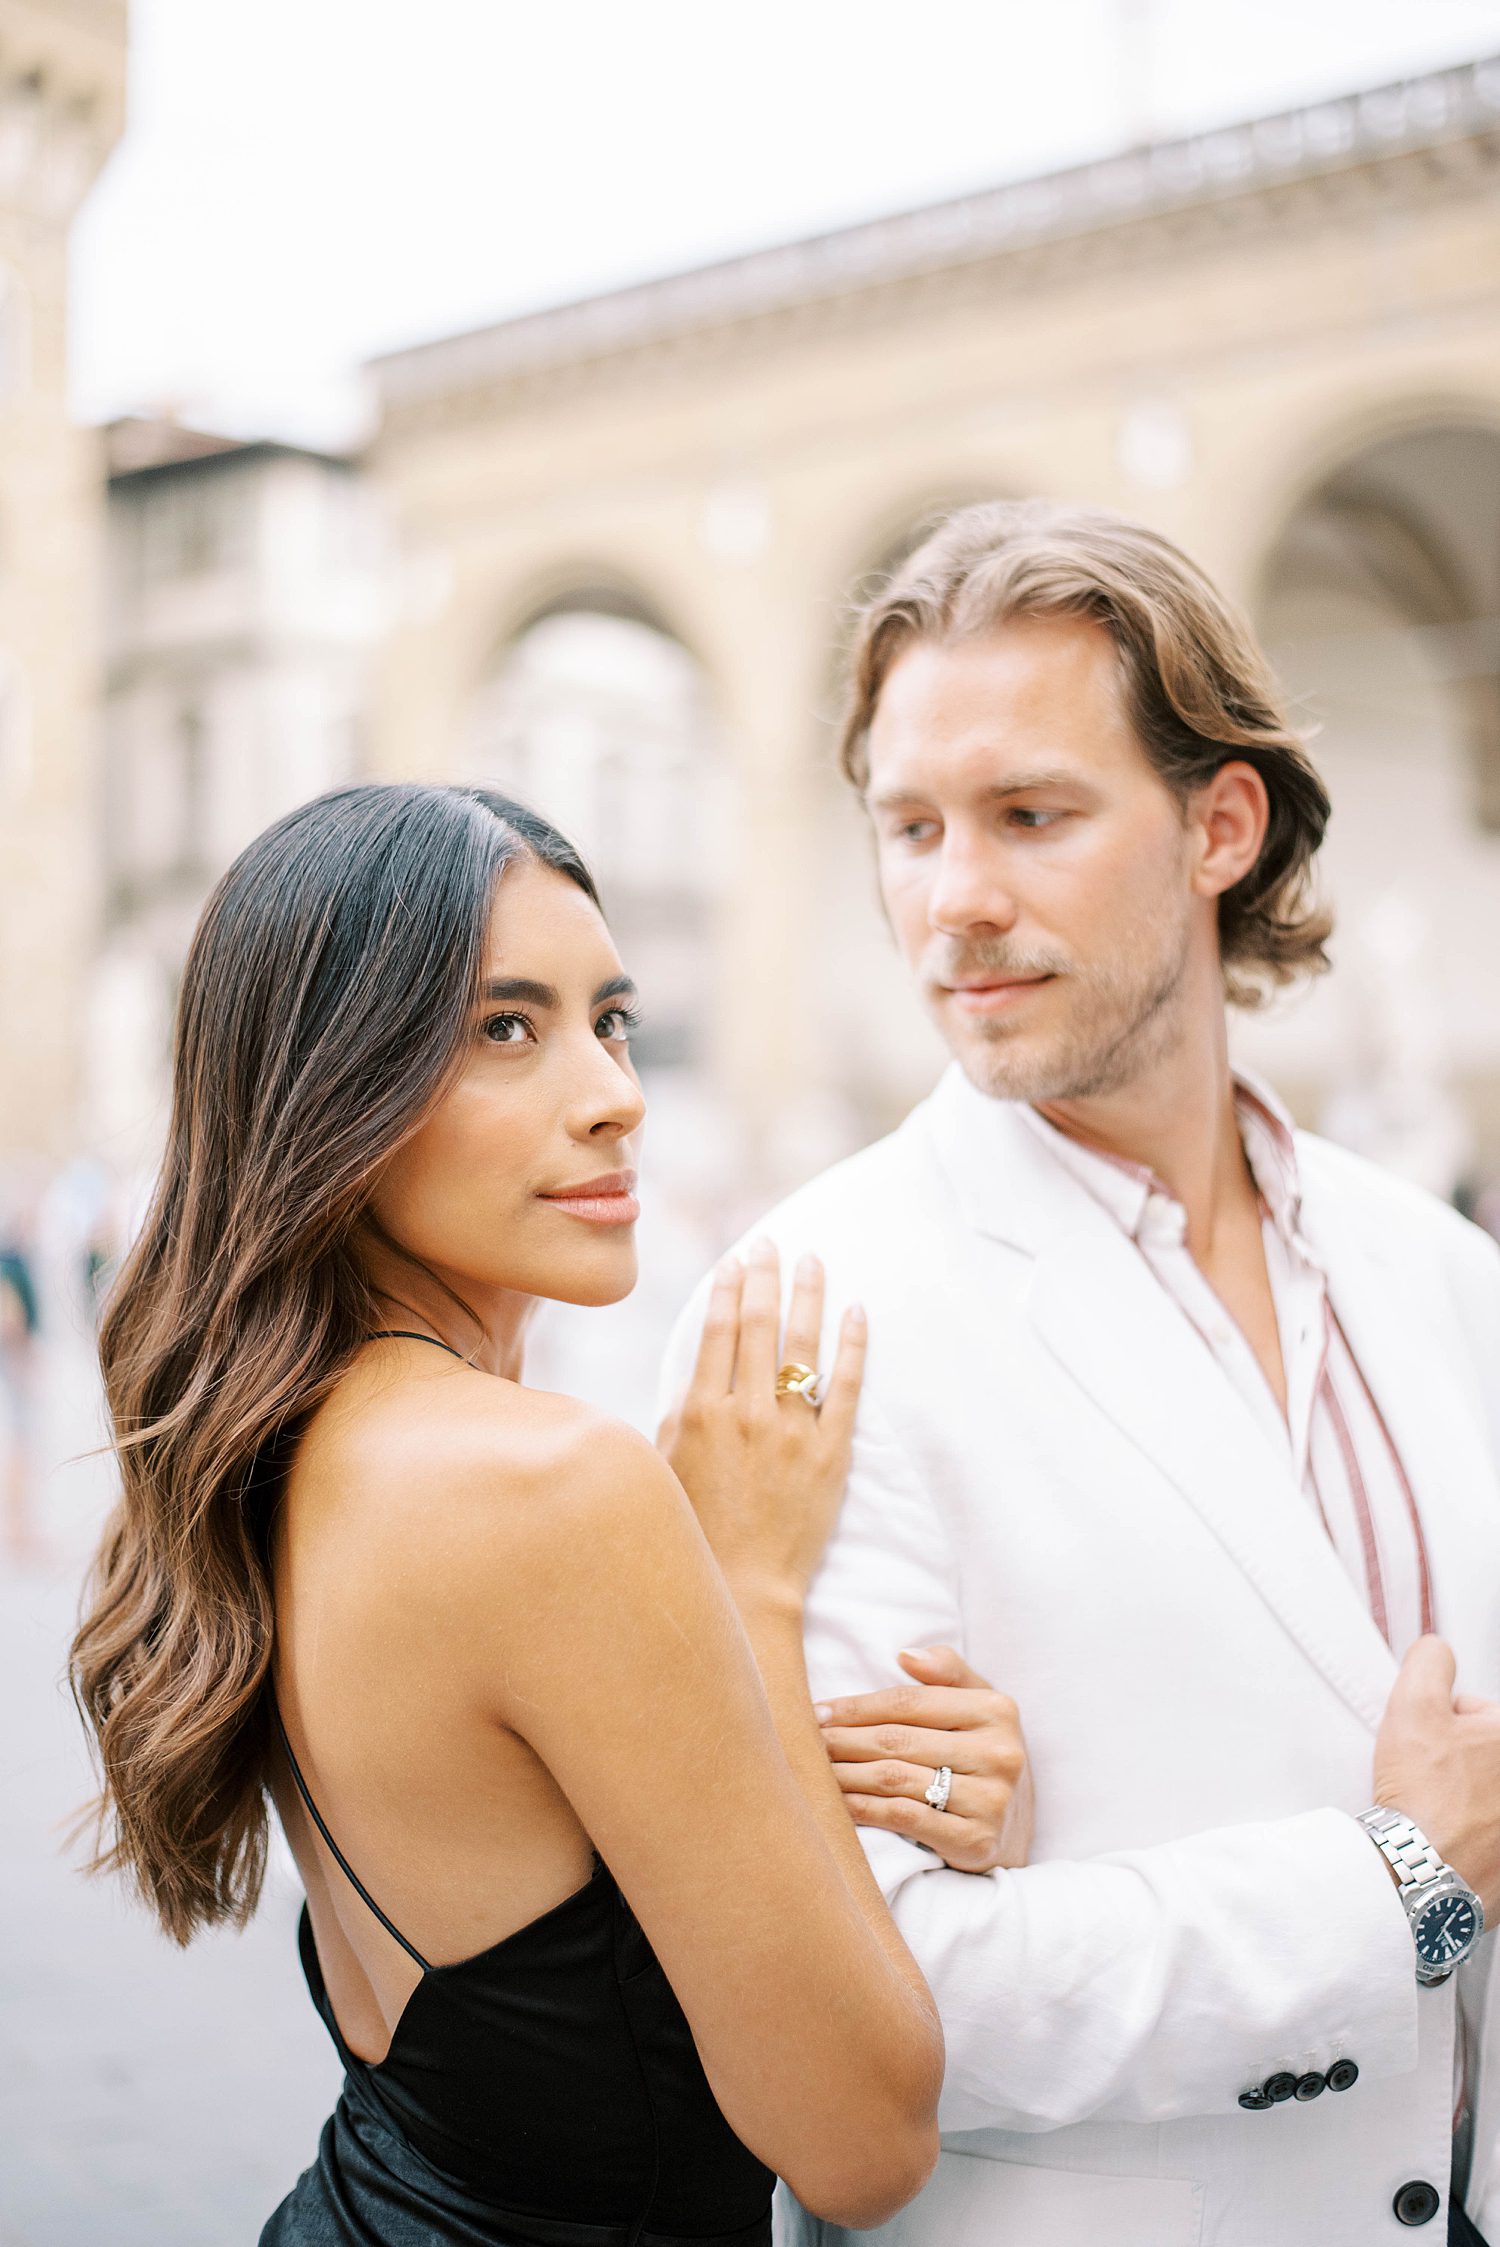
(1183, 1426)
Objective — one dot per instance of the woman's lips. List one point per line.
(599, 1201)
(997, 997)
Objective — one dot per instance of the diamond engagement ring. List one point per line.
(798, 1381)
(942, 1786)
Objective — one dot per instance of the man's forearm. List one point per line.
(1163, 1982)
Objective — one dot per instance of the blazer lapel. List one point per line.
(1101, 1312)
(1400, 1328)
(1097, 1307)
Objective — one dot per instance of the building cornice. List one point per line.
(1444, 111)
(139, 453)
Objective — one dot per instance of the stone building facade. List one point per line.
(617, 545)
(62, 87)
(1279, 341)
(241, 599)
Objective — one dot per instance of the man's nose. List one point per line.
(969, 890)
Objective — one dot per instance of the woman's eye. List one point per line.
(617, 1024)
(507, 1029)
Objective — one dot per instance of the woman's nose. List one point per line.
(619, 1124)
(615, 1105)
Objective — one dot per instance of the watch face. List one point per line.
(1445, 1931)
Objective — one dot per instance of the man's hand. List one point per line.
(1437, 1759)
(886, 1746)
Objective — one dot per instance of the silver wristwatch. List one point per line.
(1447, 1918)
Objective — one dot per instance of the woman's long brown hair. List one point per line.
(325, 999)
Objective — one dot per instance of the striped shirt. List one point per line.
(1332, 1433)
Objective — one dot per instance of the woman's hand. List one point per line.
(886, 1747)
(765, 1474)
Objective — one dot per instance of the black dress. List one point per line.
(547, 2093)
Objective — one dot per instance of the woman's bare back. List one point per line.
(450, 1819)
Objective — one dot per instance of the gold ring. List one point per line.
(795, 1380)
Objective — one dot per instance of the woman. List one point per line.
(471, 1637)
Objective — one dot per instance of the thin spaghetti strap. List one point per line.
(340, 1859)
(404, 1334)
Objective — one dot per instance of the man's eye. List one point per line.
(507, 1029)
(1023, 815)
(915, 830)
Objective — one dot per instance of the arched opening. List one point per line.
(1380, 606)
(599, 716)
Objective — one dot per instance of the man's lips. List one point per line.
(994, 994)
(608, 1200)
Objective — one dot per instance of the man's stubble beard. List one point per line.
(1127, 1018)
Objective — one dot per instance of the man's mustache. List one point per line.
(989, 962)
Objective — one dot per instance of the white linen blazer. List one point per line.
(1052, 1474)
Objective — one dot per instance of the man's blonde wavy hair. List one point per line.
(1200, 692)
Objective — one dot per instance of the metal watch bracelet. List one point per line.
(1446, 1917)
(1405, 1848)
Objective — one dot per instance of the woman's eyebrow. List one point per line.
(520, 987)
(543, 994)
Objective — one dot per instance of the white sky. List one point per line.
(307, 182)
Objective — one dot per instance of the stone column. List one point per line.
(61, 97)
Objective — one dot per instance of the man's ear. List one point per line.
(1227, 818)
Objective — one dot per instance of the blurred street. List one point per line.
(150, 2097)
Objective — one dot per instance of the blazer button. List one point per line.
(1343, 2075)
(1255, 2101)
(1281, 2086)
(1417, 2203)
(1310, 2086)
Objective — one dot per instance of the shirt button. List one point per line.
(1310, 2086)
(1280, 2086)
(1255, 2100)
(1343, 2075)
(1417, 2203)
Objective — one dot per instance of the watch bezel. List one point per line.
(1420, 1899)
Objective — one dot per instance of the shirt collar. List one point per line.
(1126, 1188)
(1122, 1187)
(1269, 1139)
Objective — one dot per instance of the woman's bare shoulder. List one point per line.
(536, 1446)
(470, 1472)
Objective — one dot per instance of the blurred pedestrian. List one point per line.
(19, 1374)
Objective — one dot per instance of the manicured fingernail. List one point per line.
(823, 1711)
(808, 1267)
(855, 1315)
(763, 1247)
